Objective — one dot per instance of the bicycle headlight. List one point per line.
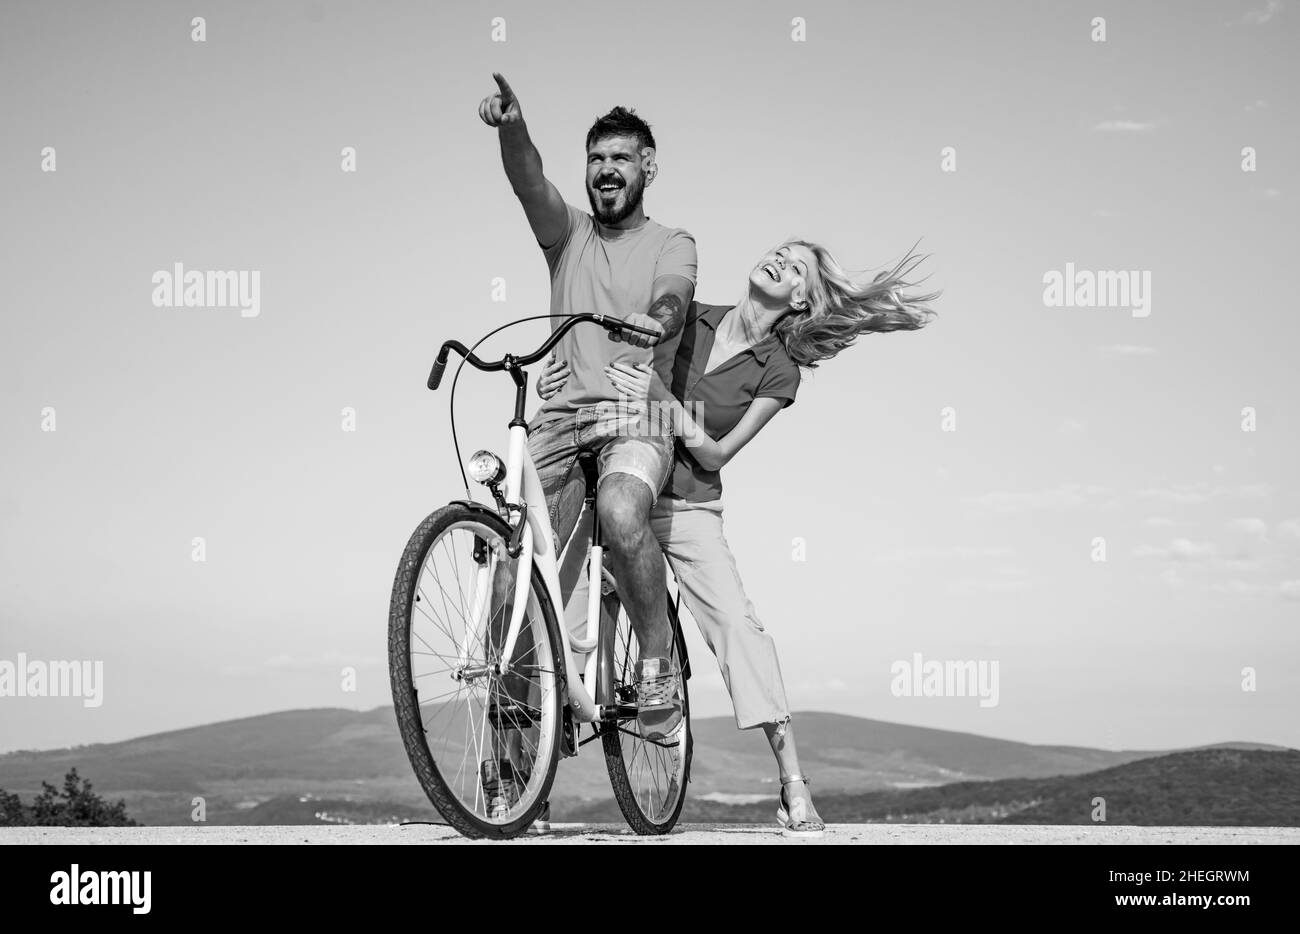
(486, 467)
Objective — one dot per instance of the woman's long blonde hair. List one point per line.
(842, 306)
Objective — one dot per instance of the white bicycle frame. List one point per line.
(522, 486)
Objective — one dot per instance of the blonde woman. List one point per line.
(735, 368)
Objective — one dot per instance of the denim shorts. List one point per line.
(624, 440)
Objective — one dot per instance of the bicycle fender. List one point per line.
(477, 507)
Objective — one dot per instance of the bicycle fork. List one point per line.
(535, 541)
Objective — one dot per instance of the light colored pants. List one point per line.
(690, 535)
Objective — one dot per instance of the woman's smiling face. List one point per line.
(785, 276)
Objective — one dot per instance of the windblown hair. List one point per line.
(621, 122)
(842, 306)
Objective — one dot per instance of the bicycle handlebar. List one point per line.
(608, 322)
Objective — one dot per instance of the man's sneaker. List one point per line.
(542, 822)
(659, 705)
(500, 790)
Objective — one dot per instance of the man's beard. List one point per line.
(611, 216)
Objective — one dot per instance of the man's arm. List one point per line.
(669, 298)
(545, 209)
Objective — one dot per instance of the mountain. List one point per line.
(1213, 786)
(288, 767)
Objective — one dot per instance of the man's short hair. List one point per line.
(621, 121)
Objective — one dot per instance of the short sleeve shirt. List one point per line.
(603, 270)
(719, 399)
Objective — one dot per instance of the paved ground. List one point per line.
(686, 833)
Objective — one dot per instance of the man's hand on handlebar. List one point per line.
(639, 340)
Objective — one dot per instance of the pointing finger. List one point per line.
(504, 85)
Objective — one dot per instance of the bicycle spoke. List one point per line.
(489, 720)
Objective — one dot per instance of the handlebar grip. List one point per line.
(619, 324)
(439, 365)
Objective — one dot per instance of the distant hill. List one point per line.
(288, 767)
(1216, 786)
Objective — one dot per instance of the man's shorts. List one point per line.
(624, 441)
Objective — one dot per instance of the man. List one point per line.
(617, 261)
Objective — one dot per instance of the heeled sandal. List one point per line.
(794, 822)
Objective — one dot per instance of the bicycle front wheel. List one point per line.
(649, 777)
(481, 730)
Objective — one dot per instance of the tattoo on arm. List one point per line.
(669, 311)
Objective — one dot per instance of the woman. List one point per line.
(736, 367)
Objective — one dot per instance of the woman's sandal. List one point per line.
(795, 822)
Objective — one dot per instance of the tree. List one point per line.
(75, 806)
(12, 812)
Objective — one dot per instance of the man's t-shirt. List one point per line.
(602, 270)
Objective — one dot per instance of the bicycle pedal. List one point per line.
(513, 716)
(655, 708)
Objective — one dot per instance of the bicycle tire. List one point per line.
(616, 738)
(406, 702)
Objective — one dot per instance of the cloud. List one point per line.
(1008, 579)
(1186, 550)
(1260, 17)
(1238, 588)
(1182, 494)
(1069, 427)
(1289, 528)
(1251, 490)
(1254, 527)
(1180, 549)
(971, 586)
(1171, 577)
(1124, 126)
(1258, 105)
(1129, 350)
(1290, 590)
(944, 551)
(1158, 522)
(1065, 496)
(1191, 494)
(1241, 564)
(311, 662)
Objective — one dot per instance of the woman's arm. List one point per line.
(643, 382)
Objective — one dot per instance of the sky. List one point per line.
(946, 492)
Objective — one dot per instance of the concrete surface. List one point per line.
(684, 834)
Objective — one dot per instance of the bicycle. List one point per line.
(481, 583)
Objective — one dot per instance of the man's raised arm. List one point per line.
(543, 206)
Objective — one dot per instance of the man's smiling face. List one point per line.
(616, 173)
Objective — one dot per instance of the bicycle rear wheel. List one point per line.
(482, 732)
(649, 777)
